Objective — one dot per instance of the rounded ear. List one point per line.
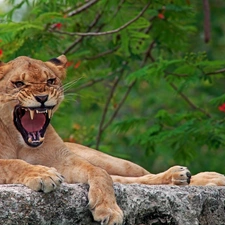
(58, 66)
(3, 69)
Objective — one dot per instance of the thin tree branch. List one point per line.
(216, 72)
(119, 105)
(82, 8)
(94, 81)
(79, 39)
(128, 89)
(148, 54)
(119, 7)
(103, 126)
(207, 74)
(193, 106)
(102, 54)
(176, 74)
(100, 129)
(106, 32)
(206, 10)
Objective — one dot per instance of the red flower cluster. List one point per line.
(222, 107)
(161, 16)
(77, 64)
(69, 63)
(57, 26)
(161, 13)
(1, 52)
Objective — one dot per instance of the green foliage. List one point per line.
(147, 89)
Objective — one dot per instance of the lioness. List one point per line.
(33, 154)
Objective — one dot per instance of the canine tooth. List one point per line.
(32, 114)
(41, 139)
(30, 140)
(49, 113)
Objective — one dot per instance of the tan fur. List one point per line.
(44, 167)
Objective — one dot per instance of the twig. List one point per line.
(82, 8)
(193, 106)
(106, 32)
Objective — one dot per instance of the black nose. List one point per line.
(41, 98)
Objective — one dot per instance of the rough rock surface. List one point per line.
(142, 205)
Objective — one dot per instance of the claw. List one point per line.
(105, 221)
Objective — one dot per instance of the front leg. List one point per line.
(38, 178)
(208, 178)
(176, 175)
(102, 201)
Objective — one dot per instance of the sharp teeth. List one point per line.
(44, 111)
(30, 140)
(49, 113)
(31, 115)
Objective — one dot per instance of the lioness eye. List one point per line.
(51, 81)
(18, 84)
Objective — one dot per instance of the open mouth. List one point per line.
(32, 123)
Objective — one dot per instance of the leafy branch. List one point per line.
(104, 125)
(106, 32)
(79, 39)
(193, 106)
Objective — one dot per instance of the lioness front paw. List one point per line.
(208, 178)
(108, 215)
(104, 209)
(41, 178)
(179, 175)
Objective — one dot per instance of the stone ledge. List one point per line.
(141, 204)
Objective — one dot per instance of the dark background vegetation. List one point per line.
(145, 78)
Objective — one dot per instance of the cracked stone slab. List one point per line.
(141, 204)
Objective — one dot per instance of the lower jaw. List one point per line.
(35, 138)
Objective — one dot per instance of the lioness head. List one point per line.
(35, 89)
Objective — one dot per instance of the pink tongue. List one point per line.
(33, 125)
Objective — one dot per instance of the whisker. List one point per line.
(70, 99)
(70, 93)
(68, 85)
(70, 96)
